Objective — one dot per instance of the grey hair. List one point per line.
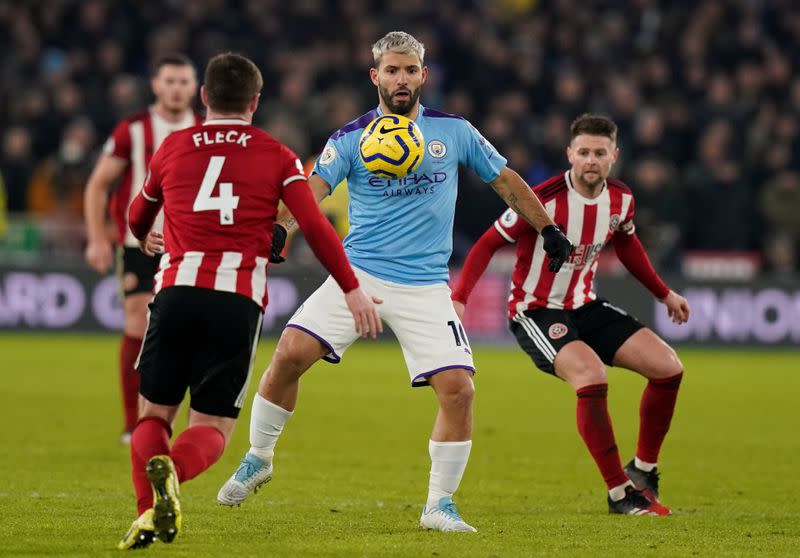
(400, 42)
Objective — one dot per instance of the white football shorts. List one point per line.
(421, 316)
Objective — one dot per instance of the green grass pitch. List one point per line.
(352, 466)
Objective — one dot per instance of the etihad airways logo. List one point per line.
(411, 185)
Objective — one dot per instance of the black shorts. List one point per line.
(135, 270)
(543, 332)
(202, 340)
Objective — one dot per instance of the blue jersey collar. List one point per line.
(419, 112)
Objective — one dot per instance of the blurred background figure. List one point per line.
(56, 187)
(109, 190)
(17, 162)
(706, 97)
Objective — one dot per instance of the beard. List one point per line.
(592, 183)
(400, 107)
(175, 104)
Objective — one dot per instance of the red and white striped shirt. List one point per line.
(134, 140)
(589, 223)
(220, 184)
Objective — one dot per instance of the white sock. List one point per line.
(448, 461)
(644, 465)
(618, 492)
(266, 424)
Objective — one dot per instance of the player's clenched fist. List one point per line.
(153, 244)
(557, 246)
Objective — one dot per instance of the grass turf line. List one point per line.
(351, 468)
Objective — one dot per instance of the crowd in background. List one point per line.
(706, 94)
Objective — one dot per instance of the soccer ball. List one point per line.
(391, 146)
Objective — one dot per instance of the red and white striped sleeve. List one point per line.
(291, 168)
(626, 225)
(118, 143)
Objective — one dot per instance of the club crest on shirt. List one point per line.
(557, 331)
(328, 155)
(437, 149)
(614, 222)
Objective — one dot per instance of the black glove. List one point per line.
(557, 246)
(278, 242)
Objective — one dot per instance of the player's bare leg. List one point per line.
(579, 365)
(296, 352)
(646, 353)
(135, 308)
(455, 391)
(274, 403)
(449, 447)
(135, 312)
(649, 355)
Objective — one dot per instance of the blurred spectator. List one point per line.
(16, 163)
(56, 189)
(648, 138)
(520, 70)
(3, 212)
(719, 202)
(660, 209)
(781, 255)
(125, 97)
(779, 203)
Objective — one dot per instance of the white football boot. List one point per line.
(444, 517)
(249, 477)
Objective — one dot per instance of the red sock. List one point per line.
(655, 415)
(149, 438)
(594, 426)
(129, 379)
(195, 450)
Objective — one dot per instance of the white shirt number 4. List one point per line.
(225, 202)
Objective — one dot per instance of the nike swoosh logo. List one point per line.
(385, 130)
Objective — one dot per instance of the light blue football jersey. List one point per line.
(401, 230)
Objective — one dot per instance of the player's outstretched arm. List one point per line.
(286, 224)
(476, 263)
(98, 249)
(631, 253)
(328, 248)
(517, 194)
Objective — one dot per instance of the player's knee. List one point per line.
(288, 363)
(135, 317)
(672, 365)
(586, 374)
(662, 365)
(458, 395)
